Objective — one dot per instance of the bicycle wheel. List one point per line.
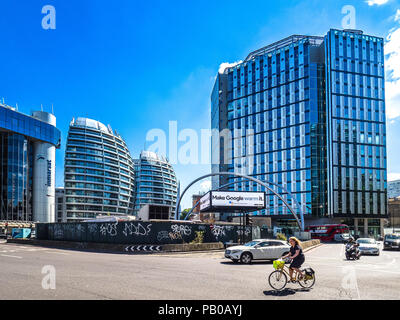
(307, 283)
(277, 280)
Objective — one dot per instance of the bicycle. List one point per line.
(278, 279)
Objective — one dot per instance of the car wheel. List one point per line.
(246, 258)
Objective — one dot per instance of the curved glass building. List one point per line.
(99, 172)
(156, 187)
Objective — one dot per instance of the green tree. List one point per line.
(184, 213)
(281, 236)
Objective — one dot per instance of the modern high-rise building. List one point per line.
(27, 165)
(156, 187)
(99, 172)
(308, 113)
(61, 215)
(394, 189)
(394, 213)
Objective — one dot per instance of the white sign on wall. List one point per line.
(205, 201)
(232, 199)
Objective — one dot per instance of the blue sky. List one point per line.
(137, 65)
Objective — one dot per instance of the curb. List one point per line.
(166, 253)
(120, 248)
(313, 247)
(125, 248)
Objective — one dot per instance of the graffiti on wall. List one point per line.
(136, 229)
(109, 229)
(139, 232)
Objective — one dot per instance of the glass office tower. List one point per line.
(356, 128)
(99, 172)
(316, 117)
(156, 187)
(27, 165)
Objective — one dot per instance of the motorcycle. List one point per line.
(352, 251)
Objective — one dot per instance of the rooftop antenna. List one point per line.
(16, 106)
(52, 109)
(41, 107)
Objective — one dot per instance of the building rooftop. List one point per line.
(2, 104)
(152, 156)
(316, 40)
(90, 123)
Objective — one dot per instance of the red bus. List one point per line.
(327, 232)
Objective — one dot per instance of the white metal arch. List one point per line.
(301, 224)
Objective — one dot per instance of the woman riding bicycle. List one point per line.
(297, 256)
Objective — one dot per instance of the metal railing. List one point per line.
(314, 40)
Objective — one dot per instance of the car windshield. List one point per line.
(251, 243)
(392, 237)
(367, 241)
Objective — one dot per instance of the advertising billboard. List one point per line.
(232, 201)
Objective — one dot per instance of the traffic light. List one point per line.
(249, 220)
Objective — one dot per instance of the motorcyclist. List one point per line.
(351, 245)
(351, 241)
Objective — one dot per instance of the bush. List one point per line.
(281, 236)
(199, 237)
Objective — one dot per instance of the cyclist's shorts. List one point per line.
(298, 262)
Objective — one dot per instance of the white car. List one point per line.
(261, 249)
(342, 237)
(368, 246)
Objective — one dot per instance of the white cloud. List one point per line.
(397, 16)
(376, 2)
(393, 176)
(205, 186)
(225, 65)
(392, 62)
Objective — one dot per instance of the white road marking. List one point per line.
(65, 254)
(360, 268)
(5, 255)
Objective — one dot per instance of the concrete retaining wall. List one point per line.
(128, 248)
(141, 232)
(106, 247)
(193, 247)
(119, 248)
(310, 243)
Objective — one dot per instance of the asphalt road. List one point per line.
(87, 275)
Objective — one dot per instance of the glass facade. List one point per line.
(99, 172)
(356, 124)
(15, 177)
(277, 94)
(393, 189)
(156, 185)
(316, 117)
(13, 121)
(18, 135)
